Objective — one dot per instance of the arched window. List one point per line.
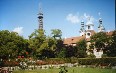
(88, 27)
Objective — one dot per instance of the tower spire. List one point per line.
(100, 27)
(89, 27)
(40, 17)
(82, 29)
(40, 8)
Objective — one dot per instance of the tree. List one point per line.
(81, 49)
(46, 53)
(49, 51)
(99, 40)
(11, 44)
(62, 53)
(111, 48)
(37, 42)
(51, 43)
(71, 51)
(59, 47)
(56, 33)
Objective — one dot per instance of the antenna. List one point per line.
(40, 7)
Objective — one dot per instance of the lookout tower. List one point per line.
(40, 17)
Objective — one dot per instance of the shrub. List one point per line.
(61, 60)
(101, 61)
(40, 62)
(55, 61)
(10, 63)
(91, 56)
(104, 55)
(63, 69)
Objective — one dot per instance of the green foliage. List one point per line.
(63, 69)
(41, 46)
(99, 61)
(81, 49)
(11, 45)
(60, 60)
(104, 55)
(37, 41)
(62, 53)
(46, 53)
(111, 48)
(91, 56)
(71, 51)
(56, 33)
(70, 70)
(99, 40)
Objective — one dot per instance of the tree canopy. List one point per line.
(11, 44)
(99, 40)
(41, 46)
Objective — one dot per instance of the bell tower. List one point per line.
(89, 28)
(40, 18)
(82, 30)
(101, 27)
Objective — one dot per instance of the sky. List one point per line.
(21, 15)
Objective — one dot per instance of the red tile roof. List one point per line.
(73, 40)
(109, 33)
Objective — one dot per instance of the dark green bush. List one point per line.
(60, 60)
(104, 55)
(100, 61)
(91, 56)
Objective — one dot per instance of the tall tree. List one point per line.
(111, 48)
(37, 41)
(56, 33)
(11, 44)
(71, 51)
(99, 40)
(81, 48)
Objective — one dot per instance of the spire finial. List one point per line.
(99, 13)
(89, 18)
(40, 7)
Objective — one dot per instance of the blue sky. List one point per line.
(66, 15)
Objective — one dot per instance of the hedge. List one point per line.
(100, 61)
(8, 63)
(60, 60)
(81, 61)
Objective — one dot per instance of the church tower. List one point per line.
(101, 27)
(40, 17)
(82, 30)
(89, 28)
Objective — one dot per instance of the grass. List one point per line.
(70, 70)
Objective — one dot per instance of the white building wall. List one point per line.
(98, 54)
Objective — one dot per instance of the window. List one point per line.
(88, 27)
(88, 34)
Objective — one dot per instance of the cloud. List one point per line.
(73, 18)
(77, 18)
(87, 17)
(19, 30)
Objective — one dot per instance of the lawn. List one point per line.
(70, 70)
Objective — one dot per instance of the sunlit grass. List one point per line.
(70, 70)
